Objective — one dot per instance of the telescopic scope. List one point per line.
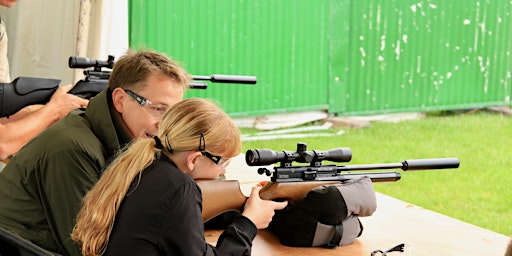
(259, 157)
(83, 62)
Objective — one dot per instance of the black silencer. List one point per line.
(228, 79)
(430, 163)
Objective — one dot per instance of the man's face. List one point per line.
(143, 121)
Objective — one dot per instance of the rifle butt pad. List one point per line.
(25, 91)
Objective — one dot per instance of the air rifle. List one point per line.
(96, 79)
(26, 91)
(292, 183)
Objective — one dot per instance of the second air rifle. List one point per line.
(26, 91)
(96, 78)
(292, 182)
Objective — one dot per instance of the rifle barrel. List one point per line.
(374, 176)
(333, 172)
(407, 165)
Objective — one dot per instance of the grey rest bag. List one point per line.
(327, 216)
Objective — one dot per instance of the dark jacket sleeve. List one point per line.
(237, 238)
(183, 228)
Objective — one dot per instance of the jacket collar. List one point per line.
(105, 123)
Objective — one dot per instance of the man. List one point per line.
(44, 183)
(18, 129)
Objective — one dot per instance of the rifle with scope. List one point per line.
(316, 171)
(96, 79)
(292, 183)
(26, 91)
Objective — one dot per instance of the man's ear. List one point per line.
(118, 96)
(192, 158)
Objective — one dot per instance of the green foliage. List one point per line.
(478, 192)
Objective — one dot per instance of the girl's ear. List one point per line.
(192, 159)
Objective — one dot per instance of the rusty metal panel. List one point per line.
(284, 43)
(425, 55)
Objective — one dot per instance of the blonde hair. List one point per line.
(182, 127)
(133, 68)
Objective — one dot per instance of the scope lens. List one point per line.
(259, 157)
(249, 157)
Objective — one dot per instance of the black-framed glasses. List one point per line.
(222, 162)
(214, 158)
(156, 111)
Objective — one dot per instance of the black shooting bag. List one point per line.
(327, 216)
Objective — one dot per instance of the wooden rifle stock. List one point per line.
(220, 196)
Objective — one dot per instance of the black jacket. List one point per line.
(161, 215)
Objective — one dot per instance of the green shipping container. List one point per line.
(346, 57)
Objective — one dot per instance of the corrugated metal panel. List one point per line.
(348, 56)
(426, 55)
(283, 43)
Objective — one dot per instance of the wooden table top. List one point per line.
(423, 232)
(395, 222)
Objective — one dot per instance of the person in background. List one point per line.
(21, 127)
(44, 183)
(147, 202)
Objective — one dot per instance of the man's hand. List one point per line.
(62, 102)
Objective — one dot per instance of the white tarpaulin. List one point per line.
(44, 34)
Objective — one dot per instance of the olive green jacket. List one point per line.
(42, 187)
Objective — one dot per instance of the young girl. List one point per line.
(147, 202)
